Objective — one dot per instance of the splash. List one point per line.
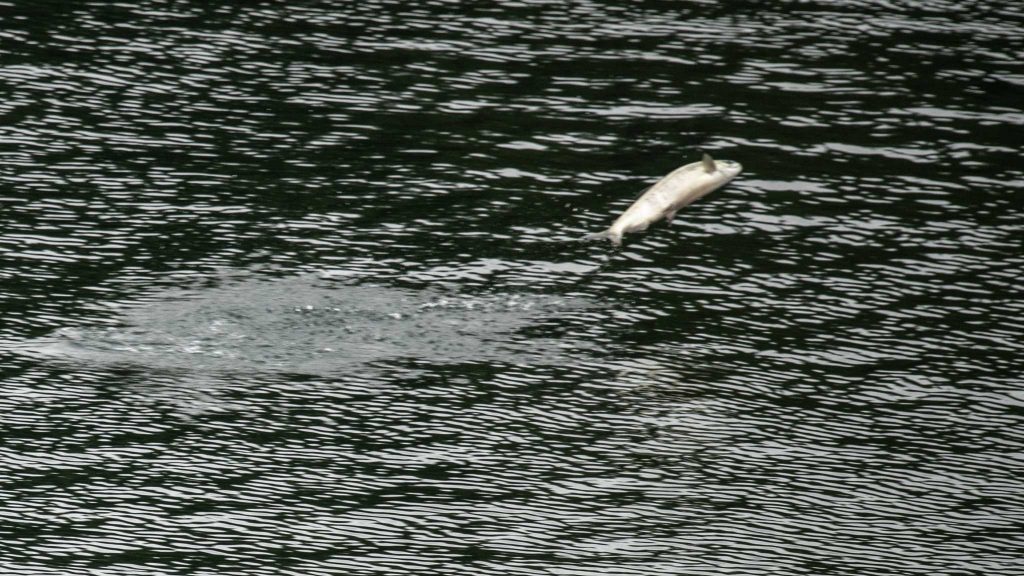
(315, 326)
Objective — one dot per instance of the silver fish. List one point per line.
(681, 187)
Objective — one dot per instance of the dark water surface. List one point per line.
(293, 288)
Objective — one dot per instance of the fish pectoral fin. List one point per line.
(670, 215)
(709, 163)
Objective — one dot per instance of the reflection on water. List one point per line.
(294, 288)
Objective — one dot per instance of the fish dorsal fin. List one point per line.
(709, 163)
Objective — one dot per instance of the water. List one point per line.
(293, 288)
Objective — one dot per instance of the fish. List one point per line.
(662, 200)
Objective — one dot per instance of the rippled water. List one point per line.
(294, 288)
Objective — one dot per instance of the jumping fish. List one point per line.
(681, 187)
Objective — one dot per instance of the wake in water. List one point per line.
(308, 325)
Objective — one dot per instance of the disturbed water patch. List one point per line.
(317, 326)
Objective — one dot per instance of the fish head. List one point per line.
(728, 168)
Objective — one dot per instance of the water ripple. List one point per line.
(289, 289)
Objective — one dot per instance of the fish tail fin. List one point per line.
(614, 236)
